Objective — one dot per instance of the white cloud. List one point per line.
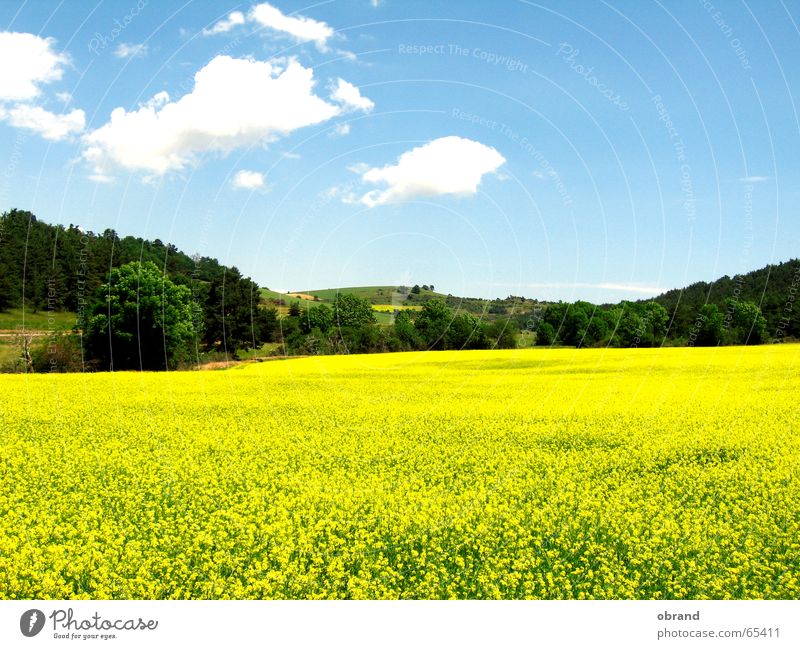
(234, 19)
(27, 62)
(349, 96)
(291, 155)
(343, 192)
(130, 50)
(234, 103)
(300, 28)
(245, 179)
(448, 165)
(754, 179)
(604, 286)
(49, 125)
(101, 178)
(341, 129)
(64, 97)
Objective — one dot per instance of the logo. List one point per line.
(31, 622)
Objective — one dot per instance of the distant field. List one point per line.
(375, 294)
(15, 319)
(396, 307)
(384, 299)
(539, 473)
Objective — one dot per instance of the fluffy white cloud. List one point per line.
(234, 103)
(349, 96)
(340, 130)
(49, 125)
(27, 62)
(234, 19)
(130, 50)
(300, 28)
(448, 165)
(245, 179)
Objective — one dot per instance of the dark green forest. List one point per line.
(139, 304)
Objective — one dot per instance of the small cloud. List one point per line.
(358, 168)
(375, 3)
(754, 179)
(447, 165)
(49, 125)
(349, 96)
(64, 97)
(604, 286)
(340, 130)
(131, 50)
(343, 192)
(290, 155)
(245, 179)
(101, 178)
(301, 28)
(234, 19)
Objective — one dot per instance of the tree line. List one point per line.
(139, 304)
(146, 305)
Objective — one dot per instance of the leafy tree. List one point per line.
(545, 334)
(406, 332)
(465, 332)
(710, 325)
(416, 289)
(352, 311)
(432, 323)
(744, 322)
(502, 334)
(318, 317)
(294, 309)
(141, 320)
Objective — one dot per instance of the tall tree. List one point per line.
(141, 320)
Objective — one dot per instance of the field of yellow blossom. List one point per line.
(543, 473)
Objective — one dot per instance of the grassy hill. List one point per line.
(385, 299)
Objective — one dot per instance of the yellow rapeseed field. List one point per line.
(538, 473)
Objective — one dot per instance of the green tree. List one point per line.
(709, 325)
(352, 311)
(294, 309)
(142, 320)
(465, 332)
(545, 334)
(432, 323)
(501, 334)
(406, 332)
(318, 317)
(745, 324)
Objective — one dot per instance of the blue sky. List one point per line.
(559, 150)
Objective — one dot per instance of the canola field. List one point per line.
(542, 473)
